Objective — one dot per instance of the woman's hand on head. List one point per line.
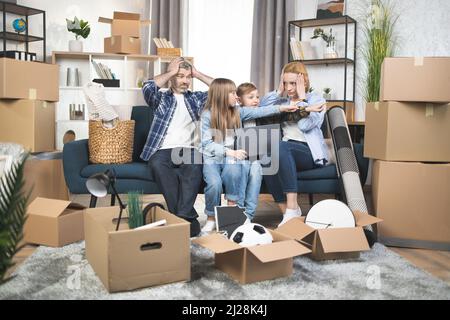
(301, 86)
(238, 154)
(316, 108)
(280, 89)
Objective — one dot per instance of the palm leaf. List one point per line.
(13, 205)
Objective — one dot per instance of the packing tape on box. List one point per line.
(418, 61)
(429, 110)
(113, 40)
(377, 106)
(44, 104)
(131, 39)
(32, 94)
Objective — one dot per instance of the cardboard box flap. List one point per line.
(363, 219)
(47, 207)
(295, 229)
(343, 240)
(217, 243)
(105, 20)
(126, 15)
(278, 250)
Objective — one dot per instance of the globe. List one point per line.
(19, 25)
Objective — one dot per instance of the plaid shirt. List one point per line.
(164, 104)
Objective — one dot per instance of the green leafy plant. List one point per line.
(329, 38)
(13, 206)
(379, 42)
(326, 90)
(311, 90)
(81, 28)
(134, 208)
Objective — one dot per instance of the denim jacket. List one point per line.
(216, 150)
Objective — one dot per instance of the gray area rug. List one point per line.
(379, 274)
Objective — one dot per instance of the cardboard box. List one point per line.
(125, 24)
(413, 201)
(44, 176)
(122, 44)
(53, 223)
(417, 79)
(331, 244)
(130, 259)
(407, 131)
(30, 123)
(257, 263)
(28, 80)
(169, 52)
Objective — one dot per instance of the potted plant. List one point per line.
(327, 93)
(82, 29)
(330, 40)
(378, 42)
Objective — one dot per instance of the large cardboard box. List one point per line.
(125, 24)
(44, 176)
(419, 79)
(257, 263)
(30, 123)
(331, 244)
(28, 80)
(122, 44)
(413, 201)
(130, 259)
(53, 223)
(397, 131)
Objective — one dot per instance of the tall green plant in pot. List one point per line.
(13, 206)
(134, 208)
(379, 42)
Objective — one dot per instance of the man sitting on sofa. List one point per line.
(173, 136)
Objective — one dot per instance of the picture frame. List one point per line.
(330, 9)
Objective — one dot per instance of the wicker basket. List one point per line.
(111, 145)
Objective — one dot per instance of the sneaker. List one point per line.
(209, 226)
(290, 214)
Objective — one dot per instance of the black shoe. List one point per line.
(195, 228)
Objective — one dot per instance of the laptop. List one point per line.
(229, 218)
(258, 141)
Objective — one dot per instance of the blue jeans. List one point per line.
(216, 175)
(250, 187)
(294, 156)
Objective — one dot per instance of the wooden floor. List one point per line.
(434, 262)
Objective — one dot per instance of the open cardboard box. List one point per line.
(125, 24)
(331, 244)
(53, 223)
(130, 259)
(257, 263)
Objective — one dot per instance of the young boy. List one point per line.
(248, 96)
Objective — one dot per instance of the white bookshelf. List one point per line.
(123, 98)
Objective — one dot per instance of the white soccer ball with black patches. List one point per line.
(251, 234)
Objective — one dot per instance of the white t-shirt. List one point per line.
(291, 131)
(182, 130)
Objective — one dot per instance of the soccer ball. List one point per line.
(251, 234)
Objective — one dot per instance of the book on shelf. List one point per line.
(103, 71)
(18, 55)
(301, 50)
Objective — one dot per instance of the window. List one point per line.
(218, 35)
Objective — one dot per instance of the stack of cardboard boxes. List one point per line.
(408, 132)
(125, 33)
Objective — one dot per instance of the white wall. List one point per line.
(219, 37)
(422, 30)
(58, 10)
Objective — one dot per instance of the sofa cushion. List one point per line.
(143, 116)
(327, 172)
(135, 170)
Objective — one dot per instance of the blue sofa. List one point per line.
(138, 175)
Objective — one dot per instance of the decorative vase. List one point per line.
(76, 45)
(330, 51)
